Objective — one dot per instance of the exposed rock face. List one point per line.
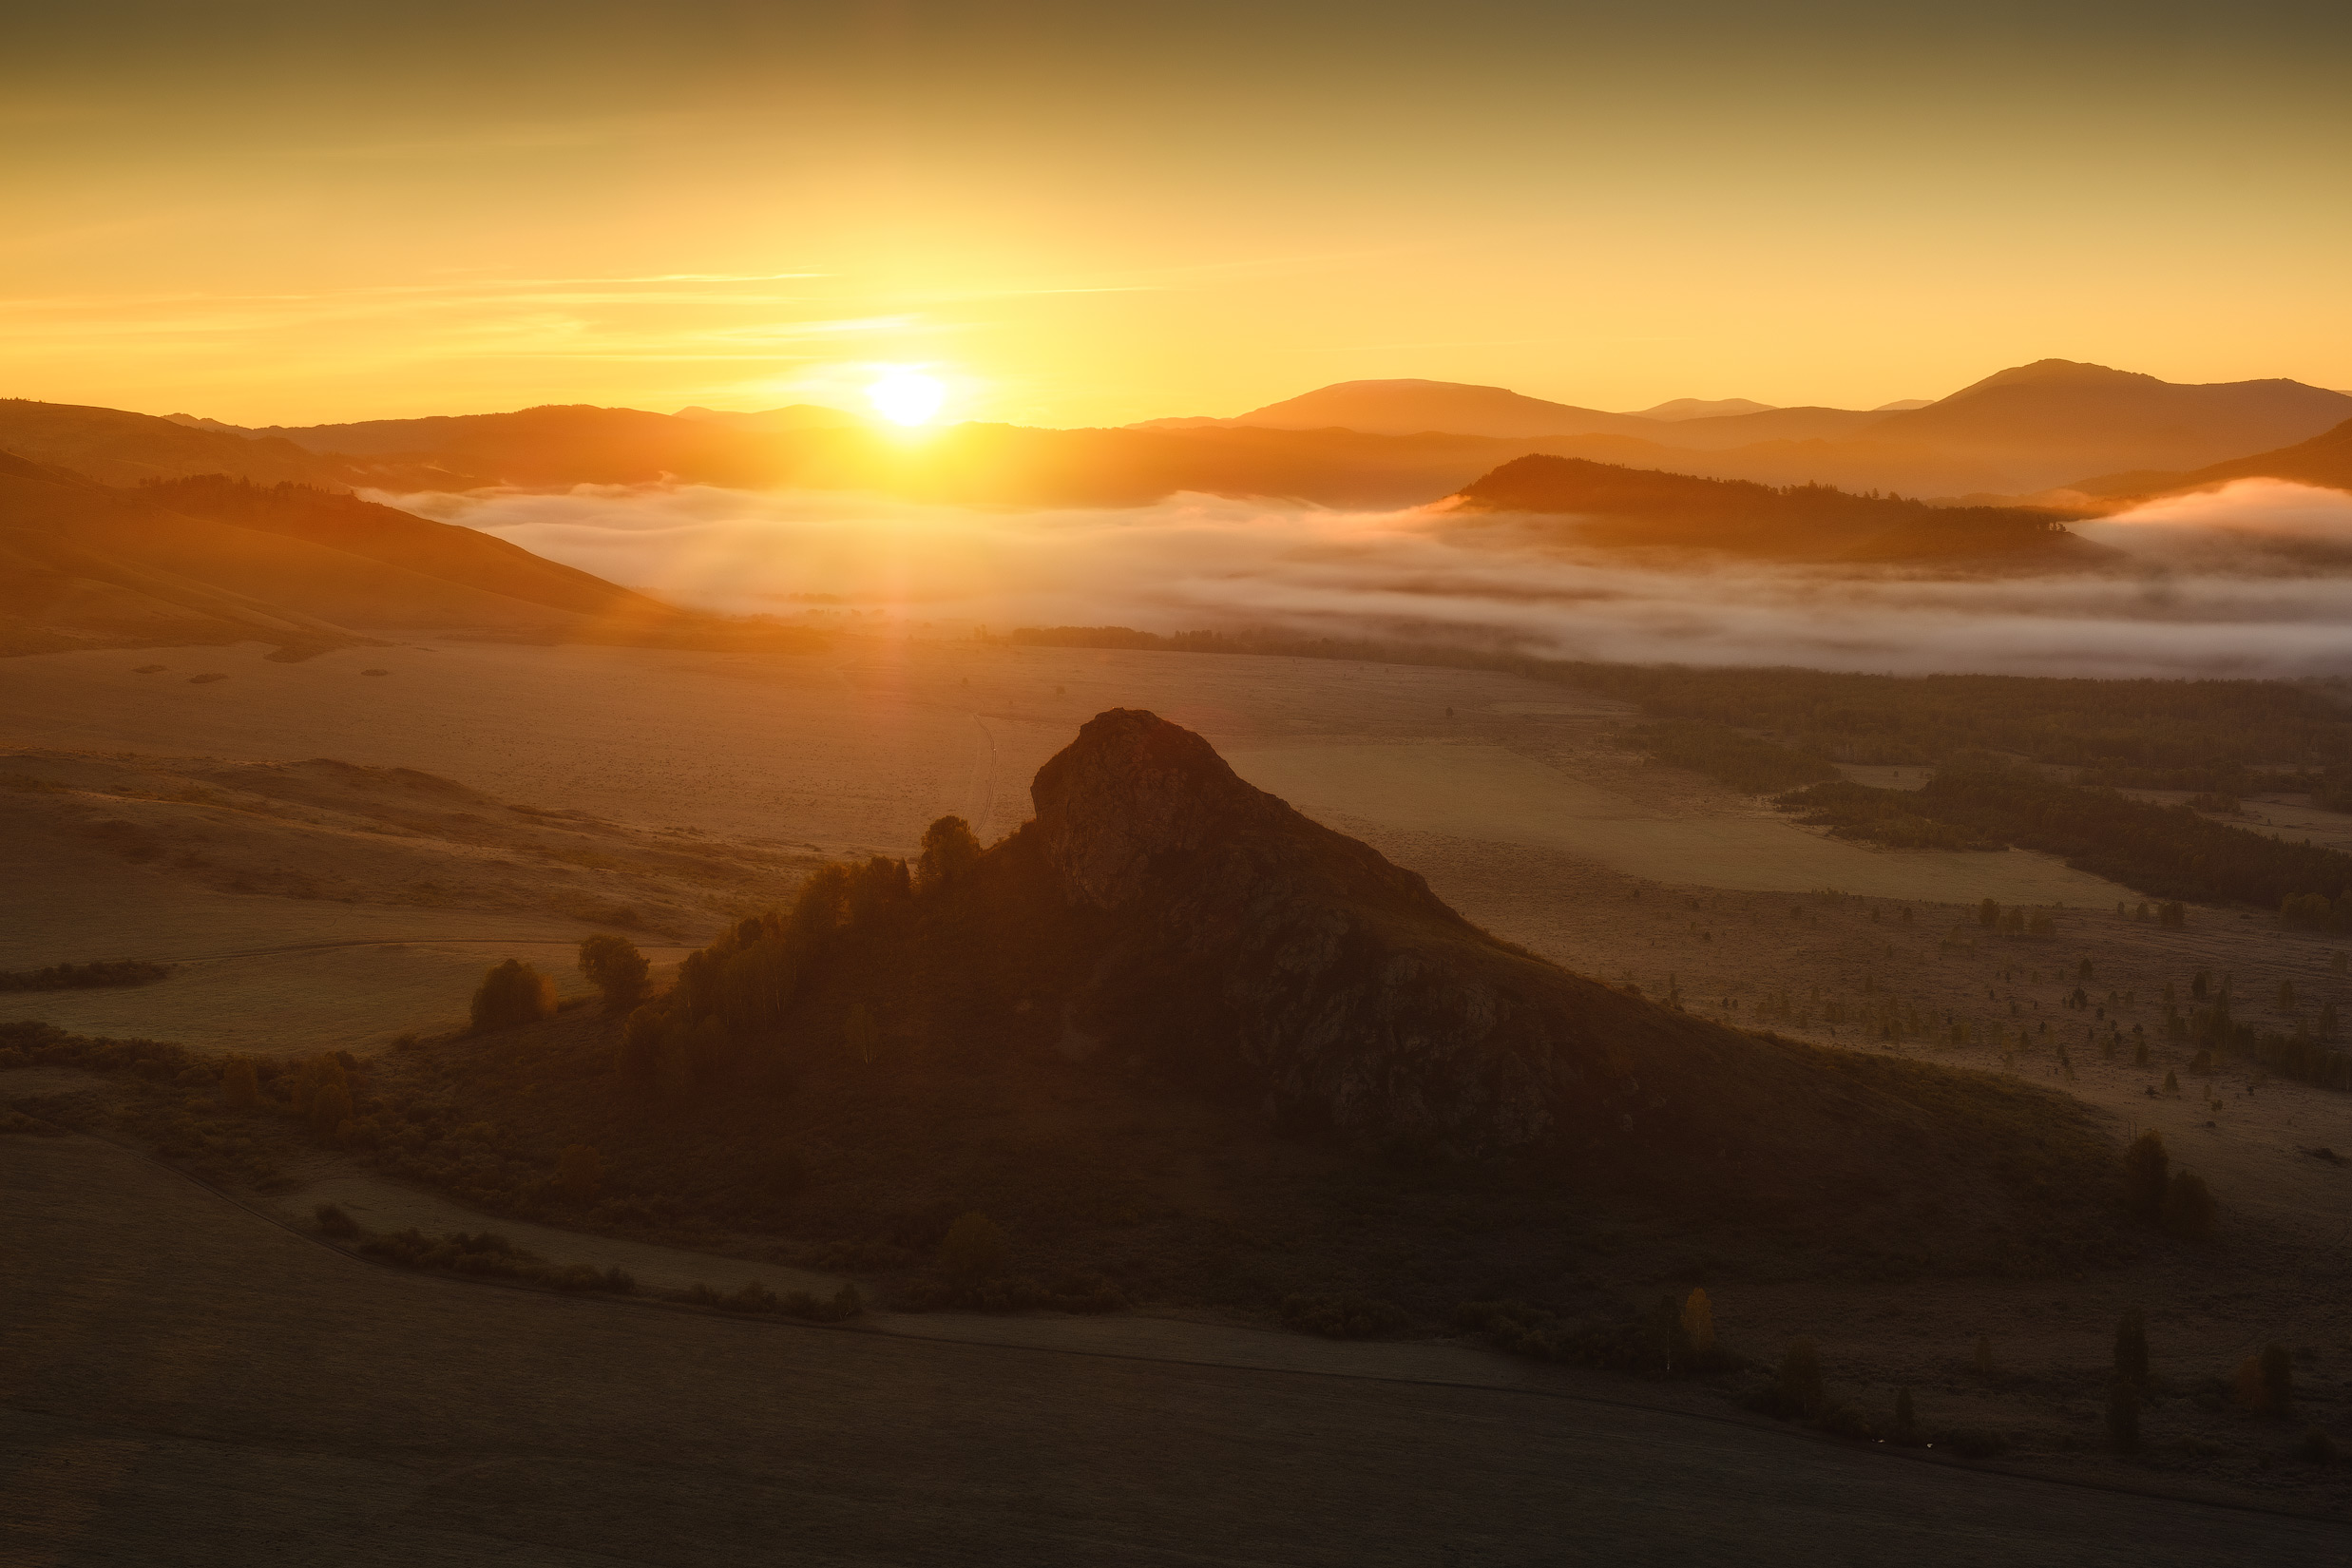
(1256, 949)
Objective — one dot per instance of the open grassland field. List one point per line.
(687, 788)
(459, 1424)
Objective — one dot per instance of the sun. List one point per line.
(907, 397)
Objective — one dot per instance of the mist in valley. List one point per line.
(2254, 578)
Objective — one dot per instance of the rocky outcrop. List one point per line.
(1257, 951)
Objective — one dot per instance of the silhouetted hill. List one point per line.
(1172, 995)
(2325, 460)
(401, 538)
(2054, 419)
(115, 448)
(1618, 507)
(216, 561)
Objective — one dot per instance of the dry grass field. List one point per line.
(185, 1382)
(710, 780)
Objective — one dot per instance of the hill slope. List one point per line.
(1172, 995)
(1615, 506)
(2324, 461)
(213, 560)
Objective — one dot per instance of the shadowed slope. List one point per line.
(1602, 503)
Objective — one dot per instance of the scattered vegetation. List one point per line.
(512, 993)
(1729, 757)
(79, 976)
(615, 967)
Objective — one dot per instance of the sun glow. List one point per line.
(907, 397)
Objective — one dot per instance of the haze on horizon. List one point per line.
(1072, 215)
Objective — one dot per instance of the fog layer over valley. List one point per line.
(2252, 579)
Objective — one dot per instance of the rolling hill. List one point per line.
(2325, 461)
(218, 560)
(1601, 503)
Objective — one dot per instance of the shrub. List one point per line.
(859, 1033)
(2278, 1378)
(974, 1248)
(240, 1089)
(1798, 1386)
(1342, 1317)
(1698, 1324)
(333, 1220)
(330, 1107)
(580, 1174)
(2123, 1416)
(512, 993)
(2132, 1348)
(2188, 1206)
(616, 968)
(2146, 1166)
(2245, 1386)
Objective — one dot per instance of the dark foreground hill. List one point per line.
(1605, 505)
(1174, 1033)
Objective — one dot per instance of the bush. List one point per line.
(1342, 1317)
(240, 1089)
(2278, 1378)
(616, 970)
(1698, 1325)
(580, 1174)
(974, 1248)
(2132, 1348)
(1798, 1386)
(333, 1220)
(2188, 1206)
(2145, 1167)
(512, 993)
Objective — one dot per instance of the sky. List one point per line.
(1079, 214)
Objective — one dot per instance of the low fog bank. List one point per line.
(2255, 579)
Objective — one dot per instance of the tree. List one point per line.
(2123, 1416)
(859, 1033)
(241, 1088)
(2171, 1082)
(580, 1173)
(512, 993)
(2278, 1378)
(640, 1058)
(2146, 1169)
(2172, 916)
(974, 1248)
(1988, 914)
(2132, 1348)
(1698, 1324)
(949, 852)
(615, 967)
(2187, 1206)
(331, 1107)
(1799, 1383)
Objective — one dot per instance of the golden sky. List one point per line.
(1077, 214)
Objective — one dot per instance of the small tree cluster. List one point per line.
(512, 993)
(616, 970)
(322, 1095)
